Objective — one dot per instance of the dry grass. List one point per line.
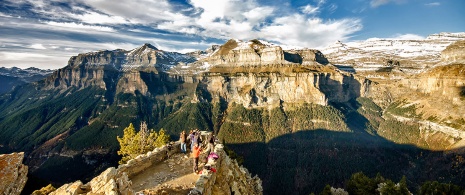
(228, 46)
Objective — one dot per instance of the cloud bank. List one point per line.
(51, 26)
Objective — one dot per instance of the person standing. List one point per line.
(210, 147)
(183, 138)
(193, 140)
(195, 155)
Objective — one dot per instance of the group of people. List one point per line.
(195, 140)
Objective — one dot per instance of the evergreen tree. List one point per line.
(162, 138)
(434, 187)
(326, 190)
(359, 183)
(128, 144)
(133, 144)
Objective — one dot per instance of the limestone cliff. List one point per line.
(13, 174)
(258, 89)
(236, 53)
(455, 52)
(104, 68)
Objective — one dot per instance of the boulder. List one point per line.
(13, 174)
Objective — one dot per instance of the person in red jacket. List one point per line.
(195, 155)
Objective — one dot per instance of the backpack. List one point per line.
(213, 156)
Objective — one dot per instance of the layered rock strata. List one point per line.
(271, 89)
(454, 52)
(235, 53)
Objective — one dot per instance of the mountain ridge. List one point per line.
(254, 97)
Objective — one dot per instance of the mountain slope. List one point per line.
(288, 113)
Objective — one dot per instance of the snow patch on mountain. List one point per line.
(416, 53)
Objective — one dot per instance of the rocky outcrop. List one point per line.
(69, 189)
(13, 174)
(236, 53)
(446, 81)
(268, 89)
(45, 190)
(117, 180)
(454, 52)
(81, 77)
(229, 178)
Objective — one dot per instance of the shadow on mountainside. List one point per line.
(349, 69)
(462, 91)
(307, 160)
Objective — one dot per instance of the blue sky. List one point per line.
(45, 33)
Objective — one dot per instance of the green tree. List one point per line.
(128, 147)
(133, 144)
(359, 183)
(326, 190)
(434, 187)
(390, 188)
(162, 138)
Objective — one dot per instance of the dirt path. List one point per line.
(173, 176)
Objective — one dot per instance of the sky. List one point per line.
(46, 33)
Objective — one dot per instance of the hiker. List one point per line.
(210, 147)
(198, 138)
(195, 155)
(191, 138)
(183, 138)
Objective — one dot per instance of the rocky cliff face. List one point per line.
(236, 53)
(13, 174)
(454, 52)
(272, 89)
(103, 69)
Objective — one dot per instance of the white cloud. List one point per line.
(221, 19)
(309, 9)
(309, 32)
(432, 4)
(37, 46)
(407, 37)
(28, 59)
(80, 26)
(136, 11)
(97, 18)
(332, 8)
(377, 3)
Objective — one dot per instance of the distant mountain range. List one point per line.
(299, 118)
(10, 77)
(376, 53)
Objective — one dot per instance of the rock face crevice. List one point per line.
(13, 174)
